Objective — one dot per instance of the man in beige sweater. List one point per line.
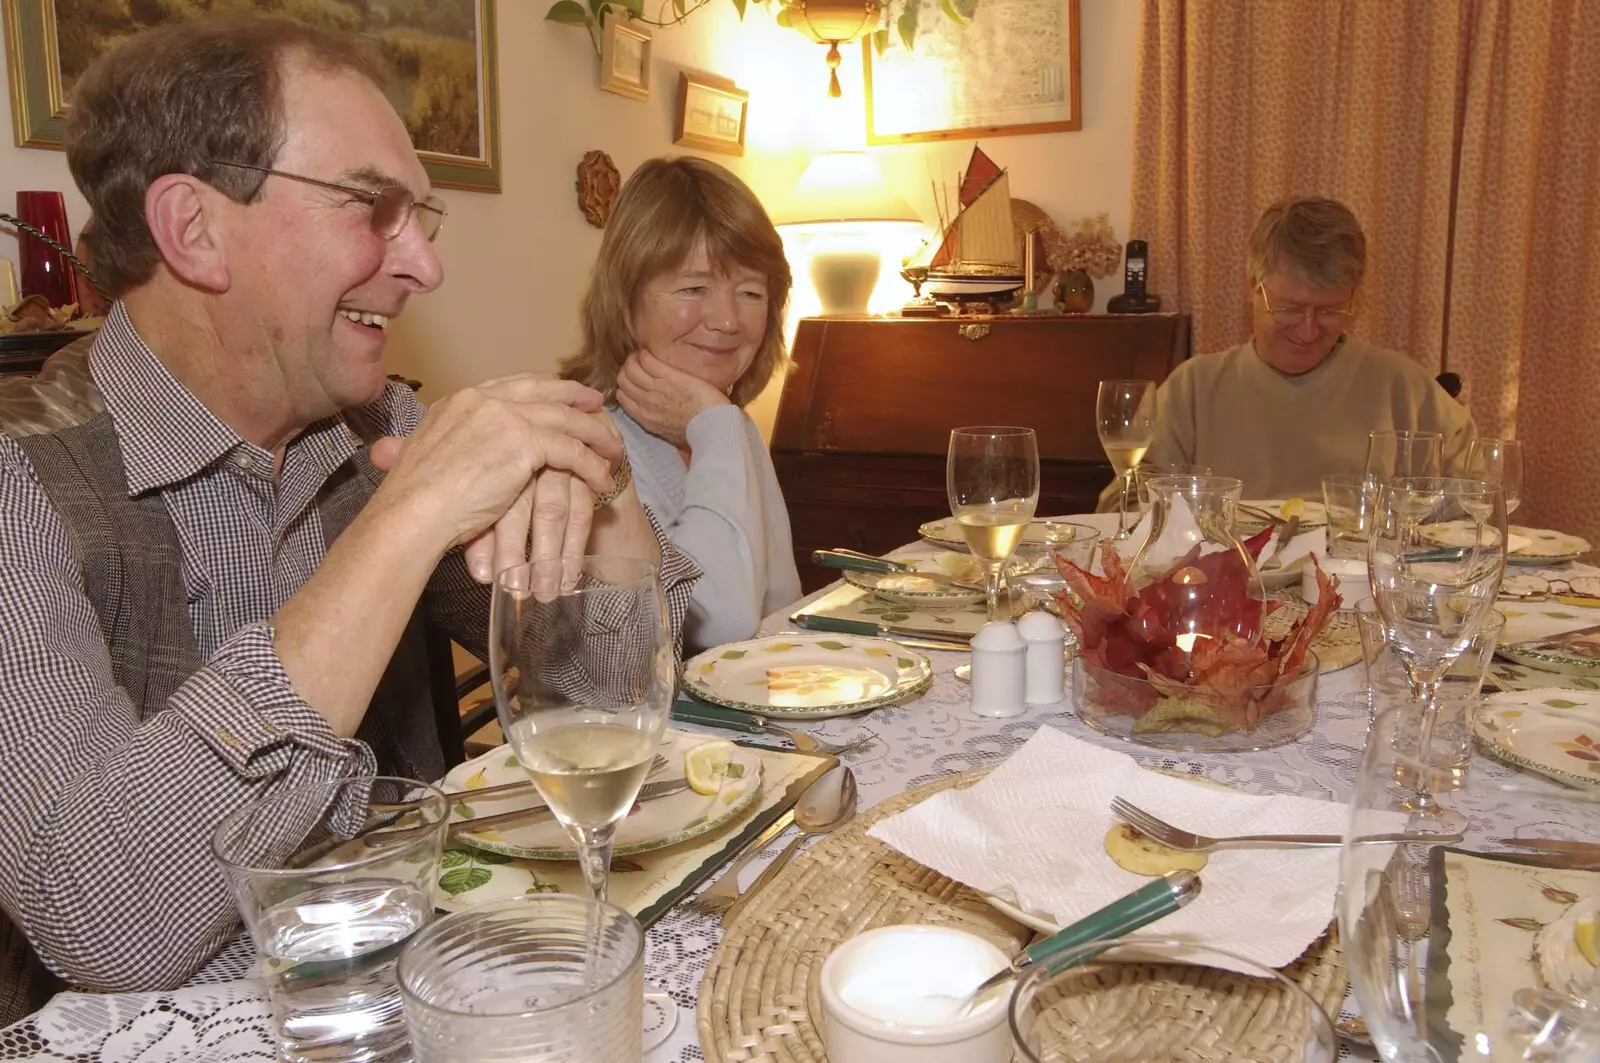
(1295, 401)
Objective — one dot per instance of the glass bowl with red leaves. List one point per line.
(1137, 679)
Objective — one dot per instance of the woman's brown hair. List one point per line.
(667, 207)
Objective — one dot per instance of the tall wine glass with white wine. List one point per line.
(992, 477)
(582, 664)
(1125, 416)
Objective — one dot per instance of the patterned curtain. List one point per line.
(1465, 136)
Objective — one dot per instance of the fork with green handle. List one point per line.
(688, 710)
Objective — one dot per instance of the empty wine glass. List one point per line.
(1436, 556)
(1393, 453)
(1125, 416)
(1498, 461)
(1457, 955)
(992, 477)
(583, 669)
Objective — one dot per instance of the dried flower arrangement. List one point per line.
(1227, 684)
(1089, 245)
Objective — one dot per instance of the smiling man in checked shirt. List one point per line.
(209, 592)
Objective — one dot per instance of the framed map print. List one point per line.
(1009, 68)
(440, 55)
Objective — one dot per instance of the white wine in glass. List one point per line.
(992, 478)
(1125, 416)
(1499, 461)
(583, 711)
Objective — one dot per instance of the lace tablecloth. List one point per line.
(221, 1015)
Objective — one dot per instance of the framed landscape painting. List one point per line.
(441, 55)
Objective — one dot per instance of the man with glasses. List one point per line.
(215, 587)
(1295, 401)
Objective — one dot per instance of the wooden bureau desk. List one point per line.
(865, 418)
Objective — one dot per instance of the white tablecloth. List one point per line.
(222, 1016)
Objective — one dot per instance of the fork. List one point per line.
(721, 894)
(1175, 838)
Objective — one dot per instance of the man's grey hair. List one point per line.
(1310, 238)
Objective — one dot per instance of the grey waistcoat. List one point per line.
(133, 575)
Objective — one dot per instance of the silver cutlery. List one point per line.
(716, 898)
(688, 710)
(1553, 640)
(1172, 837)
(1554, 845)
(855, 561)
(1286, 532)
(828, 804)
(650, 791)
(916, 641)
(459, 797)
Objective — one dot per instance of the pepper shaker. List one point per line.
(999, 670)
(1045, 638)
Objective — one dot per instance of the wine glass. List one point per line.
(1125, 415)
(992, 477)
(1437, 555)
(582, 663)
(1466, 955)
(1392, 453)
(1500, 462)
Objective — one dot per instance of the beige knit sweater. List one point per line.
(1281, 434)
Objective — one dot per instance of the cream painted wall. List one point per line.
(516, 263)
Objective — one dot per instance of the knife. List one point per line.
(851, 561)
(650, 791)
(1552, 640)
(691, 711)
(1553, 845)
(812, 622)
(1286, 531)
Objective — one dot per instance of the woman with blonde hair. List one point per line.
(682, 328)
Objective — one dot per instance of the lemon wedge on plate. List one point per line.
(1294, 507)
(706, 765)
(1588, 943)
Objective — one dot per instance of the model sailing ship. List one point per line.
(977, 259)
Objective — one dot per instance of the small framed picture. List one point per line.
(625, 57)
(711, 113)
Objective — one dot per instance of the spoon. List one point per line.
(828, 804)
(1152, 901)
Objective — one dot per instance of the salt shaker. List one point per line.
(998, 670)
(1044, 636)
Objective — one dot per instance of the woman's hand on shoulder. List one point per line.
(662, 398)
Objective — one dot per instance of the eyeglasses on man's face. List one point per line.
(391, 206)
(1289, 315)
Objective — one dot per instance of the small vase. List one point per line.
(45, 271)
(1073, 292)
(1206, 581)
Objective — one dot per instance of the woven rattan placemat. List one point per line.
(760, 1002)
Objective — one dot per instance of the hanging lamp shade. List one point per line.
(835, 22)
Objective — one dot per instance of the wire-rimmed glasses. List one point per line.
(1288, 315)
(391, 205)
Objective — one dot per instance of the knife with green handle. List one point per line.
(1142, 907)
(853, 561)
(690, 711)
(813, 622)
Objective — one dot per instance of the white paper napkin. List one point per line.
(1311, 542)
(1035, 830)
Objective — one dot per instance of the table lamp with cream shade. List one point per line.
(844, 206)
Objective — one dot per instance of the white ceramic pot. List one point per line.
(883, 991)
(1349, 579)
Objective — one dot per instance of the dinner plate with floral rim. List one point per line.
(1313, 515)
(653, 825)
(1555, 732)
(807, 675)
(907, 588)
(1569, 654)
(1547, 547)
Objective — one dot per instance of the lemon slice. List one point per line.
(1294, 507)
(1588, 944)
(706, 765)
